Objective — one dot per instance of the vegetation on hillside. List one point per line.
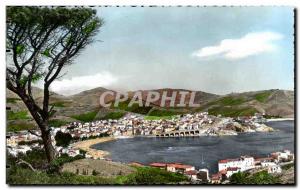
(135, 108)
(263, 96)
(259, 178)
(232, 111)
(20, 126)
(12, 100)
(113, 115)
(58, 104)
(164, 112)
(149, 175)
(57, 123)
(86, 117)
(21, 174)
(17, 115)
(63, 139)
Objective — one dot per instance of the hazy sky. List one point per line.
(216, 49)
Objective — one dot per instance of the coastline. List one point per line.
(86, 146)
(280, 119)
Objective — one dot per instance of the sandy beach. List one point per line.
(86, 146)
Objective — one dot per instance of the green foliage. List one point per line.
(272, 116)
(20, 126)
(164, 112)
(113, 115)
(58, 104)
(231, 101)
(12, 100)
(93, 137)
(57, 123)
(287, 166)
(259, 178)
(63, 139)
(20, 49)
(57, 163)
(30, 142)
(95, 172)
(262, 97)
(232, 111)
(135, 108)
(239, 178)
(20, 176)
(149, 175)
(36, 157)
(86, 117)
(46, 52)
(17, 115)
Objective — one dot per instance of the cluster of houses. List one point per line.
(188, 170)
(136, 125)
(272, 164)
(228, 167)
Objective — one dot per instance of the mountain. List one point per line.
(85, 106)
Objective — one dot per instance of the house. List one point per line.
(191, 174)
(203, 175)
(158, 165)
(216, 178)
(284, 156)
(178, 167)
(244, 163)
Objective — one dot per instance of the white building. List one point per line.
(244, 163)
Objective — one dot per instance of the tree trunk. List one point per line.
(49, 149)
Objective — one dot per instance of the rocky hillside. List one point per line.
(85, 106)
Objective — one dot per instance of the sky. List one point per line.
(212, 49)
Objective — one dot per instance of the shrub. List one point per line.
(17, 115)
(20, 126)
(262, 177)
(58, 104)
(86, 117)
(63, 139)
(12, 100)
(149, 175)
(57, 123)
(20, 176)
(164, 112)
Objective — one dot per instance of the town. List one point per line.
(198, 124)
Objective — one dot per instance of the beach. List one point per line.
(86, 146)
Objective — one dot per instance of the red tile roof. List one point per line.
(179, 166)
(158, 164)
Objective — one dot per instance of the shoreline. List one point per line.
(280, 119)
(101, 154)
(86, 146)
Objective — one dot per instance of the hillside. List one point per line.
(84, 106)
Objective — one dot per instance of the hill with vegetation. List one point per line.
(85, 106)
